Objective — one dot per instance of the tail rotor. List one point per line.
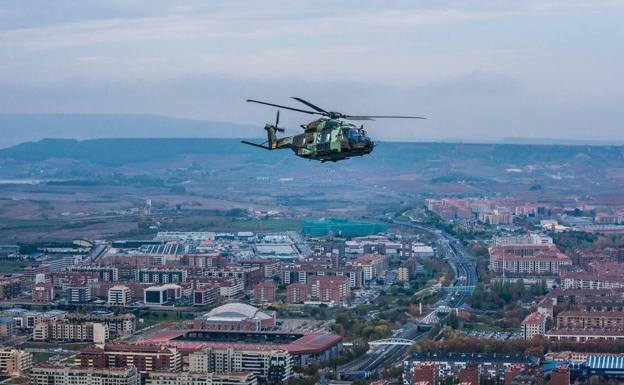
(277, 123)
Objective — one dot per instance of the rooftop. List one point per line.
(312, 343)
(236, 310)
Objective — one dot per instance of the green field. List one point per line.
(12, 266)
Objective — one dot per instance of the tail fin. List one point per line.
(271, 136)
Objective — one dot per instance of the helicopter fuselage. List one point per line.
(327, 140)
(330, 138)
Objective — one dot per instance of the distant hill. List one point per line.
(19, 128)
(398, 156)
(567, 142)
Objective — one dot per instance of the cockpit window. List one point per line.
(353, 134)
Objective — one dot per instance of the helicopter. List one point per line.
(333, 137)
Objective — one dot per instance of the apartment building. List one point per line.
(527, 259)
(533, 325)
(146, 358)
(160, 276)
(265, 292)
(66, 375)
(65, 331)
(78, 294)
(119, 295)
(104, 273)
(334, 289)
(118, 324)
(201, 378)
(15, 362)
(42, 293)
(272, 364)
(297, 293)
(609, 320)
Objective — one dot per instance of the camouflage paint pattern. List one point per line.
(325, 140)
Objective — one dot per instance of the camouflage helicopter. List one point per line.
(329, 138)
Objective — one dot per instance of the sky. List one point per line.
(478, 70)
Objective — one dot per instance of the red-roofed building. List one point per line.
(533, 325)
(606, 320)
(423, 372)
(303, 348)
(145, 358)
(264, 292)
(333, 289)
(560, 375)
(42, 293)
(511, 372)
(201, 378)
(581, 335)
(470, 375)
(527, 259)
(296, 293)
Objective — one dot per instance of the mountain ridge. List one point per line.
(119, 151)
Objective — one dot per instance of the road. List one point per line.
(465, 275)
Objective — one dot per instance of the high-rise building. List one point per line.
(403, 274)
(333, 289)
(78, 294)
(208, 295)
(119, 295)
(296, 293)
(42, 293)
(264, 292)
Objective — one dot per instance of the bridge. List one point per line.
(392, 341)
(464, 288)
(434, 316)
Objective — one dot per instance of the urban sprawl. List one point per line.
(457, 291)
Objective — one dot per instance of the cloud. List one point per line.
(480, 68)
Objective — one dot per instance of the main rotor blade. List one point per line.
(319, 109)
(365, 117)
(280, 106)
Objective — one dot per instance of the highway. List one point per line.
(465, 275)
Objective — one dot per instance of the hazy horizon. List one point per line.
(480, 71)
(34, 127)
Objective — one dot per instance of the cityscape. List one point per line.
(458, 290)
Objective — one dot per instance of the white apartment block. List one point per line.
(66, 375)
